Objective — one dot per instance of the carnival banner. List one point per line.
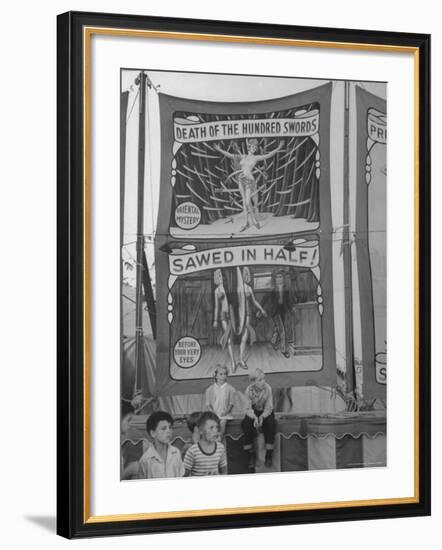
(243, 247)
(370, 300)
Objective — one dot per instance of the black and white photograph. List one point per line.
(220, 220)
(253, 274)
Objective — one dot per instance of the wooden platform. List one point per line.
(302, 442)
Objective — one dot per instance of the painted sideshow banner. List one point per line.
(243, 242)
(263, 182)
(371, 243)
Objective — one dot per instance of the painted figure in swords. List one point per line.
(248, 335)
(223, 313)
(244, 166)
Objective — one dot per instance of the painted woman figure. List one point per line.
(244, 166)
(222, 314)
(248, 335)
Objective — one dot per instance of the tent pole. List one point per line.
(348, 284)
(139, 351)
(147, 282)
(124, 97)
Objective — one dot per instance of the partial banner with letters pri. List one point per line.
(243, 244)
(370, 264)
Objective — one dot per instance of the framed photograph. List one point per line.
(234, 257)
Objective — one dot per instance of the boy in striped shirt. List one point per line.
(208, 456)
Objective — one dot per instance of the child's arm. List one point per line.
(231, 403)
(142, 471)
(223, 463)
(180, 466)
(268, 407)
(188, 462)
(130, 471)
(207, 399)
(249, 409)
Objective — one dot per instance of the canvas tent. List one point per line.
(334, 278)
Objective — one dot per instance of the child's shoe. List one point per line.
(269, 458)
(251, 463)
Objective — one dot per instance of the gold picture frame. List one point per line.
(75, 33)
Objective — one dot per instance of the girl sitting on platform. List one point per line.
(259, 417)
(220, 397)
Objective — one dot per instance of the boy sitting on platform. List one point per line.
(208, 456)
(259, 417)
(161, 459)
